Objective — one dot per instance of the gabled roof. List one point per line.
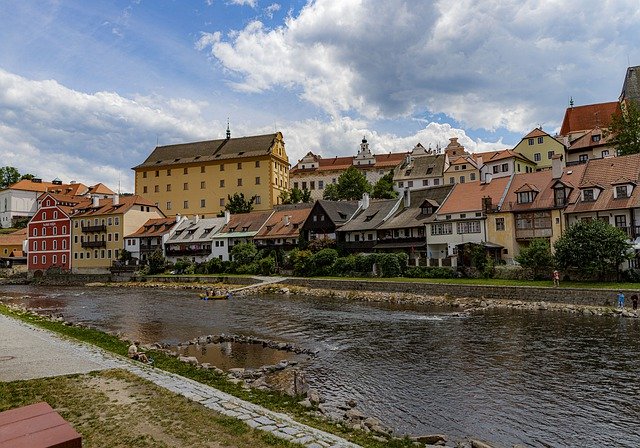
(284, 224)
(30, 185)
(154, 227)
(467, 197)
(412, 216)
(336, 163)
(503, 154)
(73, 189)
(246, 222)
(192, 231)
(585, 118)
(100, 189)
(372, 216)
(106, 206)
(211, 150)
(631, 84)
(537, 132)
(462, 160)
(586, 141)
(420, 167)
(338, 211)
(67, 203)
(13, 239)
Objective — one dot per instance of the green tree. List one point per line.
(306, 196)
(352, 184)
(383, 189)
(8, 176)
(157, 262)
(330, 193)
(244, 253)
(238, 204)
(125, 255)
(537, 256)
(595, 248)
(625, 128)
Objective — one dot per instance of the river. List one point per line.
(533, 378)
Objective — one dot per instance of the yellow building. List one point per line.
(539, 147)
(462, 169)
(12, 243)
(197, 178)
(98, 230)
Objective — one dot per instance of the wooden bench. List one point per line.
(36, 426)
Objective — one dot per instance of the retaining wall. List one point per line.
(201, 279)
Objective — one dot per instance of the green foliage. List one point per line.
(330, 193)
(295, 196)
(537, 256)
(478, 256)
(125, 255)
(344, 266)
(322, 261)
(306, 196)
(625, 128)
(594, 248)
(266, 266)
(183, 265)
(244, 253)
(364, 263)
(238, 204)
(389, 265)
(430, 272)
(321, 243)
(383, 189)
(300, 261)
(8, 176)
(157, 262)
(352, 184)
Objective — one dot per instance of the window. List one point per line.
(400, 184)
(312, 185)
(55, 215)
(500, 224)
(496, 169)
(530, 142)
(295, 185)
(203, 185)
(320, 185)
(436, 181)
(116, 221)
(109, 253)
(540, 140)
(75, 239)
(526, 197)
(221, 202)
(185, 186)
(202, 169)
(35, 260)
(185, 171)
(144, 189)
(203, 203)
(505, 167)
(116, 237)
(44, 259)
(55, 259)
(168, 172)
(109, 237)
(257, 180)
(64, 244)
(452, 180)
(44, 216)
(410, 184)
(64, 258)
(185, 205)
(441, 228)
(304, 185)
(157, 173)
(221, 183)
(621, 221)
(605, 153)
(461, 179)
(222, 167)
(588, 196)
(55, 245)
(258, 200)
(621, 192)
(44, 245)
(156, 189)
(425, 182)
(549, 155)
(559, 197)
(168, 205)
(258, 164)
(168, 187)
(595, 138)
(35, 231)
(240, 182)
(75, 224)
(582, 158)
(537, 157)
(239, 165)
(468, 227)
(35, 245)
(144, 174)
(472, 176)
(44, 231)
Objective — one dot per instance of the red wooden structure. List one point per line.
(36, 426)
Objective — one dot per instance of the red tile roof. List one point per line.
(585, 141)
(342, 163)
(276, 227)
(467, 197)
(13, 239)
(106, 206)
(537, 132)
(584, 118)
(154, 227)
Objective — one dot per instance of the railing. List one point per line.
(94, 244)
(183, 252)
(522, 234)
(89, 229)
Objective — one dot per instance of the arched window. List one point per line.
(35, 246)
(35, 231)
(64, 259)
(55, 245)
(44, 259)
(55, 215)
(64, 230)
(44, 231)
(44, 246)
(64, 244)
(44, 216)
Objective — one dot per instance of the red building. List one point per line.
(49, 231)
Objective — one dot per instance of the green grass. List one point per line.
(274, 401)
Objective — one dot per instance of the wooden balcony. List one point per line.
(528, 234)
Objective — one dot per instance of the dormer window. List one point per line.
(560, 197)
(622, 191)
(588, 195)
(526, 197)
(595, 138)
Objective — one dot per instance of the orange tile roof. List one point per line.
(275, 227)
(29, 185)
(154, 227)
(493, 156)
(106, 206)
(251, 221)
(100, 188)
(537, 132)
(584, 118)
(585, 141)
(13, 239)
(342, 163)
(468, 196)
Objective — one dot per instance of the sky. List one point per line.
(88, 88)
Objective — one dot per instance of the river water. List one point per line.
(510, 377)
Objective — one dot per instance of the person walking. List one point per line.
(556, 278)
(620, 300)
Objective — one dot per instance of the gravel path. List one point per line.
(28, 352)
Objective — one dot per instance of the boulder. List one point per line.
(237, 372)
(479, 444)
(306, 403)
(314, 396)
(431, 439)
(354, 414)
(188, 359)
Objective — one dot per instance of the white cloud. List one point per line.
(271, 9)
(251, 3)
(493, 64)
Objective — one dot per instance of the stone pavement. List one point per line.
(28, 352)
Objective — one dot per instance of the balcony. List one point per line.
(188, 252)
(527, 234)
(93, 229)
(94, 244)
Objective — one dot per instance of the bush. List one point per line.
(300, 261)
(388, 265)
(344, 266)
(244, 253)
(266, 266)
(513, 273)
(364, 263)
(181, 266)
(157, 262)
(321, 262)
(430, 272)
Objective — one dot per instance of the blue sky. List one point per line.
(87, 88)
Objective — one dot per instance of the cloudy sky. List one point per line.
(88, 88)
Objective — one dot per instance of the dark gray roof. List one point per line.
(190, 231)
(412, 216)
(631, 85)
(210, 150)
(371, 217)
(338, 211)
(419, 168)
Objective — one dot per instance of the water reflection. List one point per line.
(227, 355)
(512, 377)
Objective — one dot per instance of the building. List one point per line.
(326, 217)
(194, 239)
(540, 147)
(631, 85)
(314, 172)
(462, 169)
(240, 228)
(20, 200)
(98, 230)
(151, 236)
(419, 170)
(406, 229)
(594, 144)
(197, 178)
(503, 163)
(11, 247)
(283, 228)
(581, 120)
(461, 220)
(49, 231)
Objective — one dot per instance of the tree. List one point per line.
(295, 196)
(306, 196)
(244, 253)
(27, 176)
(352, 184)
(238, 204)
(125, 255)
(595, 248)
(383, 189)
(157, 262)
(536, 257)
(8, 176)
(625, 128)
(331, 193)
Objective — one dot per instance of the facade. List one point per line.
(282, 229)
(197, 178)
(540, 147)
(194, 239)
(314, 172)
(578, 120)
(326, 217)
(20, 200)
(418, 171)
(461, 219)
(11, 246)
(462, 169)
(241, 228)
(150, 237)
(631, 85)
(502, 163)
(98, 230)
(49, 240)
(594, 144)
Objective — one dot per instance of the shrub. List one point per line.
(344, 266)
(181, 265)
(266, 266)
(389, 266)
(430, 272)
(364, 263)
(244, 253)
(321, 262)
(300, 261)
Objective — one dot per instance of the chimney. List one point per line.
(227, 216)
(286, 220)
(556, 166)
(178, 217)
(407, 197)
(196, 218)
(407, 160)
(487, 204)
(487, 178)
(95, 201)
(365, 201)
(116, 199)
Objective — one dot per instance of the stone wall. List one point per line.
(70, 279)
(577, 296)
(201, 279)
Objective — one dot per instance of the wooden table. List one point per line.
(36, 426)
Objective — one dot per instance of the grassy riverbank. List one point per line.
(115, 408)
(268, 399)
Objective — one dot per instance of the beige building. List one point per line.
(98, 230)
(197, 178)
